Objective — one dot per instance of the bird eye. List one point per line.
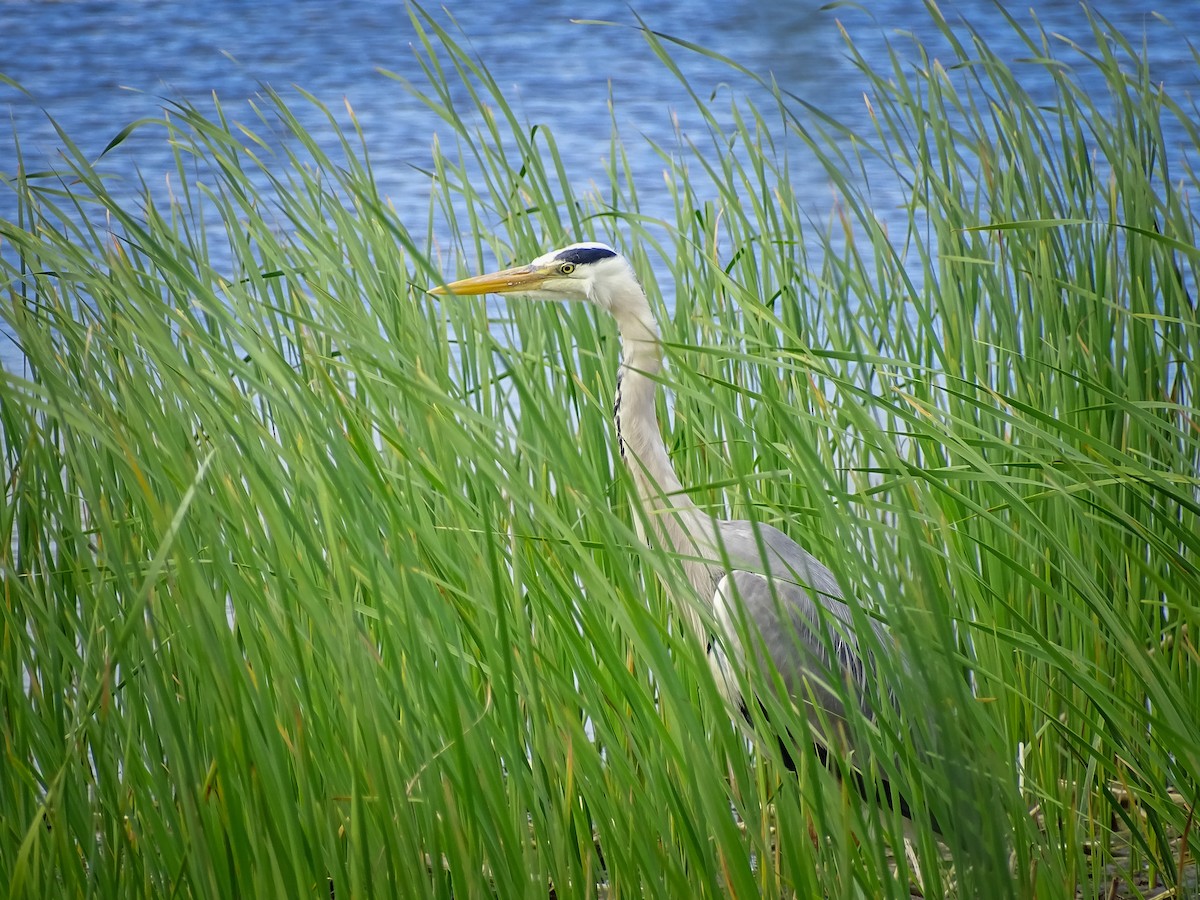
(566, 268)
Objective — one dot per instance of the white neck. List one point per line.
(671, 514)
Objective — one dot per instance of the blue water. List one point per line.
(95, 66)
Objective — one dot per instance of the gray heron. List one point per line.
(747, 573)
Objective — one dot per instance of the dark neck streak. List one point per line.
(617, 415)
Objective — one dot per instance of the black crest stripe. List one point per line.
(581, 256)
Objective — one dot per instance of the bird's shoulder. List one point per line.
(763, 550)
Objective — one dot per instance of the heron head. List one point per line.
(588, 271)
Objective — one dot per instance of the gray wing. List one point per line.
(795, 605)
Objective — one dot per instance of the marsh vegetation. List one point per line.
(312, 580)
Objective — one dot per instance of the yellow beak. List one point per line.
(506, 281)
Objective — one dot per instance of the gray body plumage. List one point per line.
(801, 621)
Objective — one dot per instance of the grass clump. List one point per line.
(310, 580)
